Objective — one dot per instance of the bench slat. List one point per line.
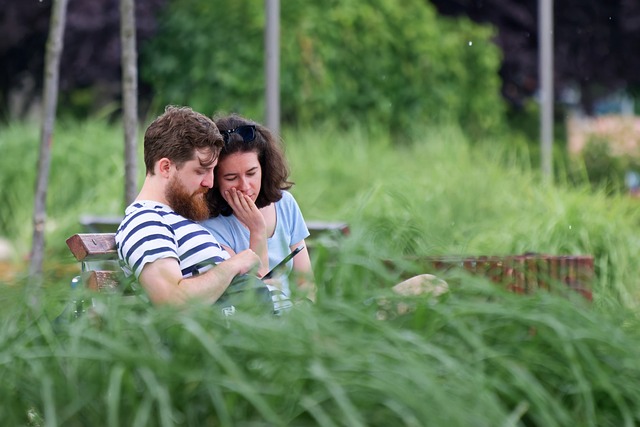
(318, 227)
(93, 247)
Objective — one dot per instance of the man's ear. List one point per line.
(164, 167)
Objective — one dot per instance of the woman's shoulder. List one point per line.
(286, 194)
(287, 198)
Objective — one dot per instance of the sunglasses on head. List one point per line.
(246, 132)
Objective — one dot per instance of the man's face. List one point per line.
(188, 186)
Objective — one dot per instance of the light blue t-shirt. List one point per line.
(290, 229)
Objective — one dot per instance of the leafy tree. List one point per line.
(341, 61)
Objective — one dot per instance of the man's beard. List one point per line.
(191, 206)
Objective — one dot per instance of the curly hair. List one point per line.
(275, 170)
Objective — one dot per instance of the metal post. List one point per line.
(272, 65)
(545, 37)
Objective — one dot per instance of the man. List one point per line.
(159, 241)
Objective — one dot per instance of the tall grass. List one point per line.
(476, 356)
(441, 194)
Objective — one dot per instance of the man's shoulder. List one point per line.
(143, 211)
(143, 218)
(147, 207)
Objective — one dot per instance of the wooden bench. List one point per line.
(96, 251)
(524, 273)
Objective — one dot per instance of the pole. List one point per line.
(272, 65)
(545, 37)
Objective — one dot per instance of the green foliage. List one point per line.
(602, 168)
(341, 62)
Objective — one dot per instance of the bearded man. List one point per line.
(159, 241)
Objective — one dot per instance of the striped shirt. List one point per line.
(151, 231)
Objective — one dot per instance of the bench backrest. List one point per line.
(519, 273)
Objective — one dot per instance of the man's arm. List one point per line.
(163, 281)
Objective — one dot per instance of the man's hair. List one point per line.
(177, 134)
(275, 171)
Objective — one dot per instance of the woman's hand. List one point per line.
(246, 211)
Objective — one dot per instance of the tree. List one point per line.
(91, 59)
(594, 43)
(52, 72)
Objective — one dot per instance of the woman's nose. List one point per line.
(244, 184)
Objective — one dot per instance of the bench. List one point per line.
(524, 273)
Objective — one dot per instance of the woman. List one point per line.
(251, 207)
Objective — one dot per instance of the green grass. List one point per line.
(477, 356)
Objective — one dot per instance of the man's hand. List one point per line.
(245, 261)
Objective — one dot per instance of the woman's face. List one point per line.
(241, 171)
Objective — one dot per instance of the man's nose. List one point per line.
(207, 181)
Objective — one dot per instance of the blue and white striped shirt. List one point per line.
(151, 231)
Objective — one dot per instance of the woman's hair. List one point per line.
(275, 171)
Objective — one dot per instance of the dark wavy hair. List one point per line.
(275, 170)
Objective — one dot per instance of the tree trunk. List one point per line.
(50, 101)
(129, 96)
